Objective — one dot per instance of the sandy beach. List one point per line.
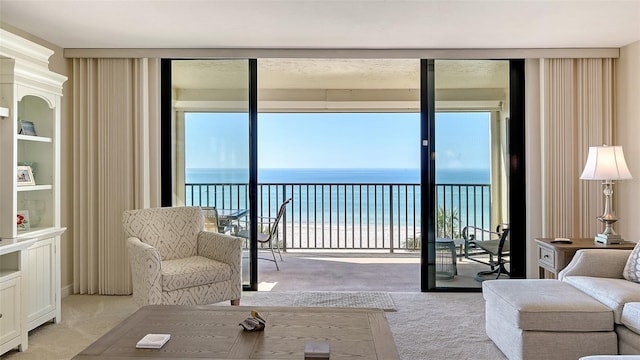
(310, 236)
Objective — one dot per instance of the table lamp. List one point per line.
(606, 163)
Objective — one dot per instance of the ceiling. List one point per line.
(330, 85)
(300, 74)
(337, 24)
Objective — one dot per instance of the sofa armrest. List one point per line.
(605, 263)
(146, 267)
(221, 247)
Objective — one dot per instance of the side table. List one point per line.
(553, 257)
(446, 259)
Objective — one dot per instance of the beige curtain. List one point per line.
(577, 112)
(115, 164)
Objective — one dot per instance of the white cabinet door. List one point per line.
(41, 283)
(10, 318)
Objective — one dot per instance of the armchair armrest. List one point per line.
(597, 263)
(145, 264)
(221, 247)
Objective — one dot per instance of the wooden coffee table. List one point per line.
(213, 332)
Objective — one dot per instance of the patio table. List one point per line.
(231, 217)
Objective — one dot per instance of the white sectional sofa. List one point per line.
(599, 274)
(592, 309)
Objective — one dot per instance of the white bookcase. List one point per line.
(29, 254)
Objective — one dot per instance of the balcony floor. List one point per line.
(355, 271)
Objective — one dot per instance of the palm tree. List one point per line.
(447, 223)
(446, 227)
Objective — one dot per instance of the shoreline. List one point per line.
(348, 237)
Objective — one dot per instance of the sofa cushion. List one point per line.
(631, 316)
(192, 271)
(546, 305)
(632, 268)
(614, 293)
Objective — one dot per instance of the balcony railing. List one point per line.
(353, 216)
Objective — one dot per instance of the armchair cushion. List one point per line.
(192, 271)
(632, 267)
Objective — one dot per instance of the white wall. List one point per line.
(627, 134)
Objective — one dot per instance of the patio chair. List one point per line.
(269, 232)
(495, 244)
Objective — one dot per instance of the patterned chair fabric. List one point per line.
(174, 261)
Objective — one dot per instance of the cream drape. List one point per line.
(115, 164)
(577, 112)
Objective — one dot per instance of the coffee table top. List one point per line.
(213, 332)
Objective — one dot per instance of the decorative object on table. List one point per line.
(22, 220)
(153, 341)
(606, 163)
(25, 176)
(254, 323)
(27, 128)
(317, 350)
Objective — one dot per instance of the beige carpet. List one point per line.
(425, 326)
(361, 299)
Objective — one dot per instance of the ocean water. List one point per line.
(346, 194)
(336, 176)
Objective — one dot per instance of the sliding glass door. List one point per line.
(210, 141)
(467, 169)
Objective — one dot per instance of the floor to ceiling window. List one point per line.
(341, 138)
(472, 98)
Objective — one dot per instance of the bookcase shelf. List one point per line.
(34, 138)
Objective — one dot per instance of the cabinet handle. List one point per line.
(546, 256)
(0, 315)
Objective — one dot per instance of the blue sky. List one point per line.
(345, 140)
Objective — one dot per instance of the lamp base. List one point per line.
(607, 239)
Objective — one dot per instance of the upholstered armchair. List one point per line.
(174, 261)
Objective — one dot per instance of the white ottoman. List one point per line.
(546, 319)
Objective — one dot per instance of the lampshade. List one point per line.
(605, 163)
